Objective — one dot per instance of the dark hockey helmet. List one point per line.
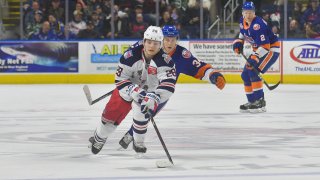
(248, 6)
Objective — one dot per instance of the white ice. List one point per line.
(44, 131)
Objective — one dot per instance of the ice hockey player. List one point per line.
(186, 63)
(145, 79)
(265, 46)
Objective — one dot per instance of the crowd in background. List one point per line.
(303, 18)
(91, 19)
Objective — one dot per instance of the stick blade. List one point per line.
(87, 93)
(274, 86)
(163, 164)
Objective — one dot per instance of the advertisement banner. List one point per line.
(102, 57)
(301, 57)
(38, 57)
(220, 54)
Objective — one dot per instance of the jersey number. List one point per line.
(262, 38)
(119, 71)
(171, 72)
(196, 63)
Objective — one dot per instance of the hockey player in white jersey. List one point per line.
(145, 79)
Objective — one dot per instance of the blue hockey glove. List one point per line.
(238, 46)
(136, 93)
(150, 103)
(253, 60)
(217, 79)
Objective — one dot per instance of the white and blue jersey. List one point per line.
(158, 76)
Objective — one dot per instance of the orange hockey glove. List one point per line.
(217, 79)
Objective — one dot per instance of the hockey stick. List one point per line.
(258, 73)
(89, 98)
(161, 164)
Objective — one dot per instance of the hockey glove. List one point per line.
(217, 79)
(253, 60)
(136, 93)
(150, 103)
(238, 46)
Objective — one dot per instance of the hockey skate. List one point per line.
(96, 144)
(126, 140)
(259, 106)
(139, 147)
(244, 108)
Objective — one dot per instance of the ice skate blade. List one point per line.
(163, 164)
(139, 155)
(244, 111)
(260, 110)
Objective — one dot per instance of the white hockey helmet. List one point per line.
(153, 33)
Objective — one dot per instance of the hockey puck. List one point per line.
(163, 164)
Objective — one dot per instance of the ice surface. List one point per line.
(44, 131)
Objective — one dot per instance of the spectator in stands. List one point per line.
(98, 23)
(101, 14)
(275, 17)
(138, 26)
(29, 13)
(311, 32)
(91, 5)
(79, 7)
(138, 9)
(56, 26)
(166, 19)
(106, 7)
(311, 16)
(297, 11)
(125, 30)
(175, 15)
(191, 20)
(180, 4)
(56, 10)
(44, 33)
(149, 10)
(266, 16)
(107, 31)
(123, 4)
(83, 4)
(76, 24)
(294, 30)
(34, 26)
(89, 32)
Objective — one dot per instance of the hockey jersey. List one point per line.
(159, 75)
(187, 64)
(258, 34)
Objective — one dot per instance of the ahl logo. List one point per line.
(306, 54)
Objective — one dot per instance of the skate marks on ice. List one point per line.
(207, 142)
(251, 142)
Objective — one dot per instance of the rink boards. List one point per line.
(96, 61)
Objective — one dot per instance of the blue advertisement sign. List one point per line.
(38, 57)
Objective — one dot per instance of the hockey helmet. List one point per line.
(153, 33)
(248, 6)
(170, 31)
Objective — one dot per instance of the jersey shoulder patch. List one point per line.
(256, 27)
(131, 56)
(127, 54)
(186, 54)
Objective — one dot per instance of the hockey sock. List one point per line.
(105, 129)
